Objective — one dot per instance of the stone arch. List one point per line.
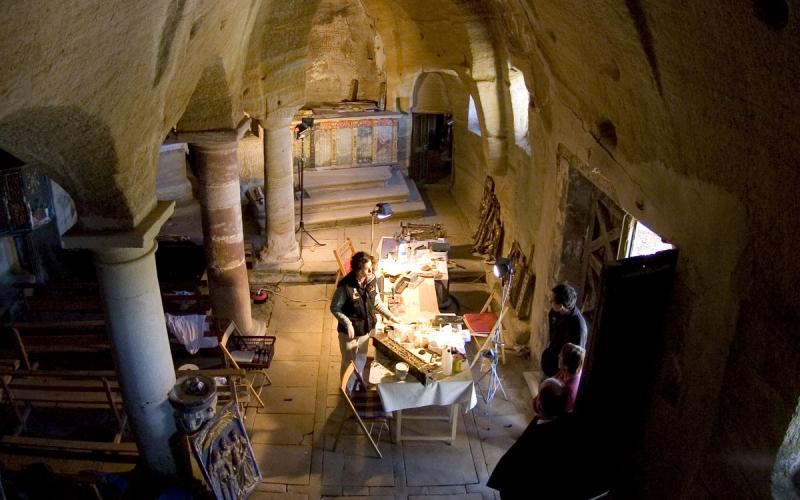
(277, 60)
(437, 91)
(212, 105)
(76, 150)
(343, 45)
(488, 76)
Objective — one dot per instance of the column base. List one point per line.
(259, 328)
(274, 259)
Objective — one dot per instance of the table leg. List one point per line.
(453, 422)
(398, 422)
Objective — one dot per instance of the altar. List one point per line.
(349, 139)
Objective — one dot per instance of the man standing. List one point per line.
(566, 326)
(354, 303)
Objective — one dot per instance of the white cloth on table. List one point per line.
(189, 330)
(395, 395)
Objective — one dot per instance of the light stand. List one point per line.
(489, 350)
(381, 211)
(301, 131)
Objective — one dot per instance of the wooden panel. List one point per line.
(364, 142)
(601, 247)
(344, 144)
(383, 139)
(323, 145)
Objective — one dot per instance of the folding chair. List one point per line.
(365, 406)
(343, 254)
(262, 350)
(483, 323)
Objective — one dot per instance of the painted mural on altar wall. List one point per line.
(347, 142)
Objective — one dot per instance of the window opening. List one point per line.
(644, 241)
(473, 122)
(520, 102)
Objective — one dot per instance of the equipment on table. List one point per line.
(417, 368)
(410, 231)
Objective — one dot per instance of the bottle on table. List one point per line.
(447, 361)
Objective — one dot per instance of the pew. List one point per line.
(59, 391)
(81, 301)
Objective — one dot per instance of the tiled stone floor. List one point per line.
(293, 436)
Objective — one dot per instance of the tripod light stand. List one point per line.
(380, 212)
(301, 131)
(504, 270)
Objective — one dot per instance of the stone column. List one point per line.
(281, 244)
(126, 270)
(216, 167)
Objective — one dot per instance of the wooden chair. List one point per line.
(364, 405)
(262, 349)
(483, 323)
(343, 255)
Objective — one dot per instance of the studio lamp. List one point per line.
(504, 270)
(380, 212)
(301, 131)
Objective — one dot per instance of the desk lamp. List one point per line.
(380, 212)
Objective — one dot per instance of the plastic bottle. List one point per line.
(457, 362)
(447, 361)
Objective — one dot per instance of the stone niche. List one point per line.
(349, 139)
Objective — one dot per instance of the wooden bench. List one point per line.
(35, 341)
(25, 389)
(83, 302)
(50, 337)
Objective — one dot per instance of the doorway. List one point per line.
(431, 147)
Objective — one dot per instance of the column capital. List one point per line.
(141, 237)
(212, 138)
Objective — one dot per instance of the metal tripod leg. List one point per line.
(494, 381)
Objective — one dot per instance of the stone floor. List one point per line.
(293, 436)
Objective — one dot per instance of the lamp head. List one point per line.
(382, 211)
(503, 268)
(302, 129)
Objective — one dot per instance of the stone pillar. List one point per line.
(281, 244)
(126, 270)
(216, 167)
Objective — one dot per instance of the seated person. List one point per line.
(570, 364)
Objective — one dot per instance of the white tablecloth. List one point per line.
(410, 393)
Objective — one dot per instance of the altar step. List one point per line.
(342, 202)
(348, 178)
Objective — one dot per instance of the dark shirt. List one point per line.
(550, 460)
(564, 328)
(356, 303)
